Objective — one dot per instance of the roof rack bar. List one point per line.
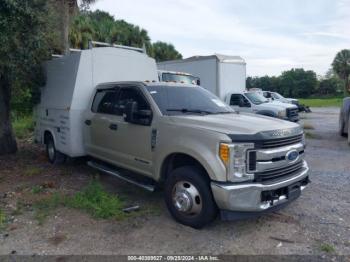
(74, 50)
(92, 43)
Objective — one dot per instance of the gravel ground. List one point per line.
(316, 223)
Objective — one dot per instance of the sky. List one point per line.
(271, 35)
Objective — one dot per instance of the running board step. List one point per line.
(117, 173)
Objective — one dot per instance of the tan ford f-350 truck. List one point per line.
(206, 156)
(180, 137)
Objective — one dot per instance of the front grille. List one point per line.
(279, 142)
(292, 112)
(251, 161)
(276, 174)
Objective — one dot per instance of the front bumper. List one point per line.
(253, 197)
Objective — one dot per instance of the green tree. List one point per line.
(329, 86)
(103, 27)
(164, 51)
(24, 41)
(341, 66)
(298, 83)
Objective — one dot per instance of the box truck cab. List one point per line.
(178, 77)
(254, 102)
(179, 137)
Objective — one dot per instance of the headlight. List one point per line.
(234, 157)
(282, 114)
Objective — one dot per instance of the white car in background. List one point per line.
(274, 96)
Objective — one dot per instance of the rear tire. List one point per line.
(189, 198)
(55, 157)
(349, 130)
(341, 126)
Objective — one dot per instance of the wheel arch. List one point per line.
(46, 134)
(176, 160)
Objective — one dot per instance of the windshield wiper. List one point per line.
(224, 112)
(186, 110)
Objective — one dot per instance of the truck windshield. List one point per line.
(277, 96)
(180, 78)
(179, 100)
(256, 98)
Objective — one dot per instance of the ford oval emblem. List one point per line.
(292, 156)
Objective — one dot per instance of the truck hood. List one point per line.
(240, 124)
(279, 105)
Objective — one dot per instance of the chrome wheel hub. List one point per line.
(186, 198)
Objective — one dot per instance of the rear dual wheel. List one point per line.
(55, 157)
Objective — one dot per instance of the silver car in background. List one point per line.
(344, 119)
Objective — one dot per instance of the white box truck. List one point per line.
(219, 74)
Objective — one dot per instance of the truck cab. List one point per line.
(254, 102)
(179, 77)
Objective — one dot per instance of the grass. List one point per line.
(322, 102)
(2, 219)
(93, 200)
(327, 248)
(97, 202)
(32, 171)
(23, 126)
(37, 189)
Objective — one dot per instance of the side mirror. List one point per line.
(135, 116)
(129, 112)
(243, 103)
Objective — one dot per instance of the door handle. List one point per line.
(113, 126)
(87, 122)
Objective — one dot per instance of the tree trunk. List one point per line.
(346, 87)
(8, 143)
(63, 5)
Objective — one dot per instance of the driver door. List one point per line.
(131, 143)
(240, 103)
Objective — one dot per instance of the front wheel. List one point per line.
(55, 157)
(189, 198)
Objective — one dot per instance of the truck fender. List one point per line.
(201, 161)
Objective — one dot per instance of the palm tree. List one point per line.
(341, 66)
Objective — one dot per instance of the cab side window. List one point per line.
(128, 95)
(104, 101)
(235, 98)
(267, 95)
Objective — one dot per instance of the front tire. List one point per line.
(55, 157)
(189, 198)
